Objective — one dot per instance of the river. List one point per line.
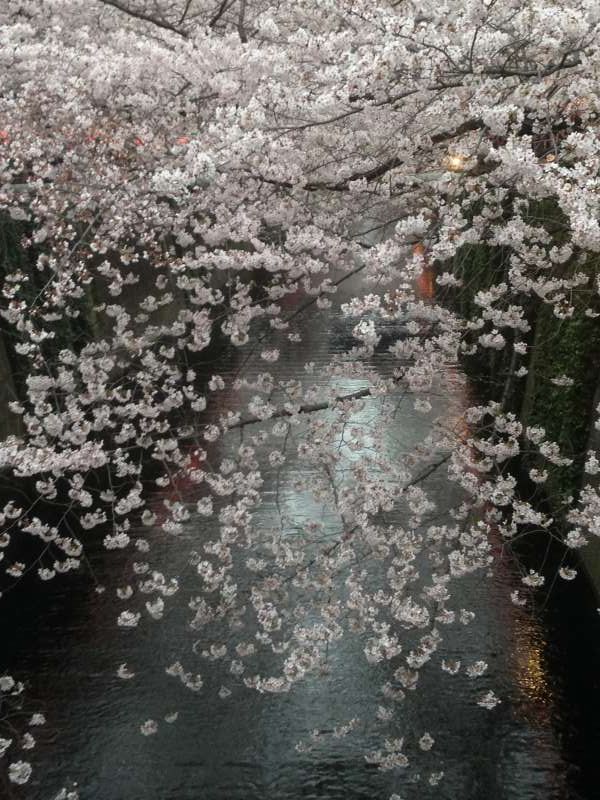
(61, 639)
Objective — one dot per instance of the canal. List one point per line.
(229, 742)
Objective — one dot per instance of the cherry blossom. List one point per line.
(259, 161)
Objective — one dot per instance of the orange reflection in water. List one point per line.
(529, 670)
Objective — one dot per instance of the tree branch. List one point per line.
(375, 172)
(241, 17)
(219, 13)
(306, 409)
(136, 14)
(185, 12)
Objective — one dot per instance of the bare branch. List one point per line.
(159, 23)
(241, 30)
(219, 12)
(185, 12)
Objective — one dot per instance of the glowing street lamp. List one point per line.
(454, 162)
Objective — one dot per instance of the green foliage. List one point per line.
(479, 267)
(572, 348)
(68, 331)
(569, 347)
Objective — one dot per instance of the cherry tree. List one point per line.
(188, 175)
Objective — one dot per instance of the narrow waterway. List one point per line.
(62, 640)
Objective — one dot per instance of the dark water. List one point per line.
(540, 743)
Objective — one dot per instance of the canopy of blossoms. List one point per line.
(191, 174)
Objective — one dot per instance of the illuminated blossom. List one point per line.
(19, 772)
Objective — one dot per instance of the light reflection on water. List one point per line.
(65, 644)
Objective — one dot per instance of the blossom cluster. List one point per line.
(258, 160)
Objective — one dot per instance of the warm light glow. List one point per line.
(426, 283)
(454, 162)
(532, 676)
